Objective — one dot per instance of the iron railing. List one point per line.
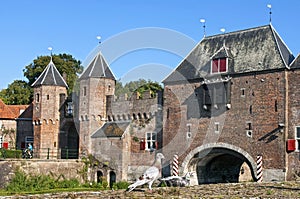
(42, 153)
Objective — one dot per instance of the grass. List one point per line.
(23, 184)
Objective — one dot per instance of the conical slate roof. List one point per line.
(255, 49)
(97, 68)
(50, 76)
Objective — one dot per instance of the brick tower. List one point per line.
(50, 91)
(97, 86)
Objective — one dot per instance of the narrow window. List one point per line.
(189, 133)
(217, 127)
(297, 137)
(276, 106)
(242, 92)
(250, 109)
(84, 91)
(249, 129)
(249, 126)
(48, 97)
(38, 97)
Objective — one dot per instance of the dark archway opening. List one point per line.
(112, 178)
(99, 176)
(220, 165)
(69, 142)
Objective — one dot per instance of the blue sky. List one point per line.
(29, 27)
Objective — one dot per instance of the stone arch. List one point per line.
(145, 115)
(207, 153)
(140, 116)
(134, 116)
(99, 176)
(51, 121)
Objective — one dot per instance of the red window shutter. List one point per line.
(215, 64)
(5, 145)
(223, 65)
(156, 145)
(291, 145)
(142, 145)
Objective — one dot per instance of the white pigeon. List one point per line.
(150, 175)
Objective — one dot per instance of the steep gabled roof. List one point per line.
(111, 129)
(11, 111)
(50, 76)
(255, 49)
(97, 68)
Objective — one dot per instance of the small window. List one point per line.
(151, 139)
(37, 97)
(188, 133)
(249, 126)
(219, 65)
(217, 127)
(48, 97)
(242, 92)
(297, 137)
(84, 91)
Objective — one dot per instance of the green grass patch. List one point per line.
(24, 184)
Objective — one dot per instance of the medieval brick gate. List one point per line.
(219, 162)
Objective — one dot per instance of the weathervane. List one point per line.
(50, 49)
(203, 22)
(99, 39)
(222, 30)
(270, 8)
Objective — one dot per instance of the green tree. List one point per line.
(18, 92)
(64, 63)
(140, 86)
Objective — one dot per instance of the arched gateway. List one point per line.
(219, 162)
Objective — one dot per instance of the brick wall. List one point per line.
(258, 99)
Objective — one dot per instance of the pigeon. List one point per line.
(150, 175)
(178, 181)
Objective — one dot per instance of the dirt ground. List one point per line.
(233, 190)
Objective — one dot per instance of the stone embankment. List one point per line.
(278, 190)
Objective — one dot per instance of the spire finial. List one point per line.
(50, 49)
(270, 12)
(99, 39)
(204, 31)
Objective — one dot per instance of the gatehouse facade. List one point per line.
(233, 98)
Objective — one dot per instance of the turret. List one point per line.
(97, 85)
(50, 91)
